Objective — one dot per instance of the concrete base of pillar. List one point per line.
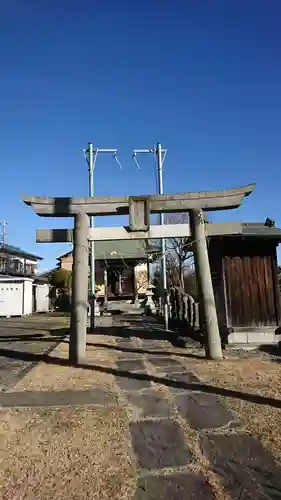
(253, 338)
(95, 304)
(136, 302)
(149, 307)
(97, 308)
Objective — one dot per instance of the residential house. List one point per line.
(16, 262)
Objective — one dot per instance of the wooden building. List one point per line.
(122, 265)
(245, 280)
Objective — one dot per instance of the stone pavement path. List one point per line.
(163, 453)
(179, 433)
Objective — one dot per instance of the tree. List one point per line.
(179, 254)
(61, 278)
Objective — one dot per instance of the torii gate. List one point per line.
(139, 209)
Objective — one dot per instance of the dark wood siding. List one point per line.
(250, 282)
(215, 250)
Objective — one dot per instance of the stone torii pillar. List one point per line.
(205, 285)
(79, 307)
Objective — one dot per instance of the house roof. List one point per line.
(251, 229)
(112, 250)
(260, 229)
(44, 277)
(18, 252)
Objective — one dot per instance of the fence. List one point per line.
(183, 309)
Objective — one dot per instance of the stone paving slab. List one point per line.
(131, 383)
(248, 471)
(150, 403)
(204, 411)
(127, 343)
(182, 382)
(180, 486)
(159, 444)
(131, 366)
(163, 361)
(128, 355)
(156, 345)
(56, 398)
(171, 370)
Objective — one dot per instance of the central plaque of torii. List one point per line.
(139, 209)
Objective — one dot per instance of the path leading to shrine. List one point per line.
(140, 420)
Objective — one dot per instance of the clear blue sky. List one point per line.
(202, 77)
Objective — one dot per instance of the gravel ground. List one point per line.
(20, 337)
(251, 383)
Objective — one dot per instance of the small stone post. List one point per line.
(150, 306)
(185, 308)
(135, 287)
(78, 330)
(119, 282)
(213, 347)
(105, 282)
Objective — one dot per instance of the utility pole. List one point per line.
(91, 163)
(160, 154)
(3, 232)
(91, 157)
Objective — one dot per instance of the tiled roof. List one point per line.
(129, 249)
(18, 251)
(259, 229)
(252, 229)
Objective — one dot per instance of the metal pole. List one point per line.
(91, 160)
(92, 223)
(163, 243)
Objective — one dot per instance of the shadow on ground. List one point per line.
(168, 382)
(144, 328)
(272, 350)
(56, 334)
